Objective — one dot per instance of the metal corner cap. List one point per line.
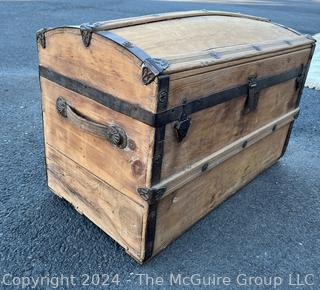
(156, 65)
(40, 37)
(151, 68)
(151, 195)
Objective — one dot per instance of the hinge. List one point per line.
(151, 195)
(86, 31)
(151, 68)
(253, 95)
(41, 38)
(183, 124)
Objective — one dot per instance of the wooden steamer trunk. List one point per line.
(151, 122)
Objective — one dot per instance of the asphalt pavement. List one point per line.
(270, 228)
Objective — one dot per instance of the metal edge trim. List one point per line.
(139, 53)
(162, 102)
(135, 50)
(286, 142)
(42, 120)
(151, 67)
(42, 31)
(150, 231)
(287, 28)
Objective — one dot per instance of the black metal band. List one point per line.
(163, 91)
(164, 117)
(150, 231)
(173, 114)
(135, 50)
(304, 74)
(151, 67)
(100, 97)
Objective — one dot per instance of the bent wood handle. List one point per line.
(112, 133)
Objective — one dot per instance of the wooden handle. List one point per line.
(112, 133)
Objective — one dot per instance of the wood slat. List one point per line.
(197, 86)
(195, 34)
(140, 20)
(185, 206)
(213, 128)
(195, 170)
(112, 211)
(124, 169)
(104, 65)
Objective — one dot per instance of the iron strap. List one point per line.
(300, 85)
(100, 97)
(194, 106)
(162, 118)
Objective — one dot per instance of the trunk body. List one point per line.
(151, 122)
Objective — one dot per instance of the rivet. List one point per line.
(157, 158)
(244, 144)
(274, 127)
(204, 167)
(162, 96)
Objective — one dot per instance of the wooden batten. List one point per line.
(119, 216)
(193, 171)
(133, 21)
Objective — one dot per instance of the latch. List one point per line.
(182, 125)
(253, 95)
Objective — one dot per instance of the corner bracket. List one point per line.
(86, 31)
(151, 195)
(41, 38)
(151, 68)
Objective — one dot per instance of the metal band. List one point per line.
(162, 118)
(135, 50)
(100, 97)
(155, 65)
(163, 91)
(305, 73)
(191, 107)
(150, 231)
(151, 67)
